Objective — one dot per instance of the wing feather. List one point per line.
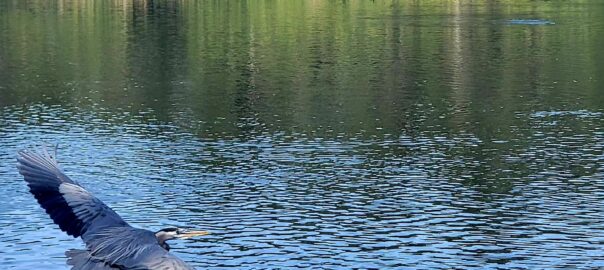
(92, 212)
(82, 260)
(70, 206)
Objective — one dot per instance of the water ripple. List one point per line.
(430, 202)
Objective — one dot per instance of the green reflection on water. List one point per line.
(370, 67)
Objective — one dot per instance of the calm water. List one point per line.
(315, 134)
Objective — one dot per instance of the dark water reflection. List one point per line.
(312, 134)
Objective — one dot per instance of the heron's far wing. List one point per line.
(69, 205)
(168, 261)
(131, 248)
(82, 260)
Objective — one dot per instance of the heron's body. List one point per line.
(110, 242)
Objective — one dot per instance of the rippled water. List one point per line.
(311, 134)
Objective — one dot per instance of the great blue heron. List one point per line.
(110, 242)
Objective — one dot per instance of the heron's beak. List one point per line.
(189, 234)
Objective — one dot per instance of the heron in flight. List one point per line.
(110, 242)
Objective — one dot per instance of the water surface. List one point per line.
(315, 134)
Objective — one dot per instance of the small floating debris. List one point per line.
(530, 22)
(579, 113)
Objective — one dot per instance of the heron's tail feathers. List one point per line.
(81, 260)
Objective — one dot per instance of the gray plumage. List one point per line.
(81, 260)
(110, 242)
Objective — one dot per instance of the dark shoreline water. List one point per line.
(315, 134)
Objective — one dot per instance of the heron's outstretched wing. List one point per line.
(70, 206)
(131, 248)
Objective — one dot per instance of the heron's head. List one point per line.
(166, 234)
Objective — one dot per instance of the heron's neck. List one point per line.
(165, 245)
(161, 239)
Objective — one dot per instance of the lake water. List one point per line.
(315, 134)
